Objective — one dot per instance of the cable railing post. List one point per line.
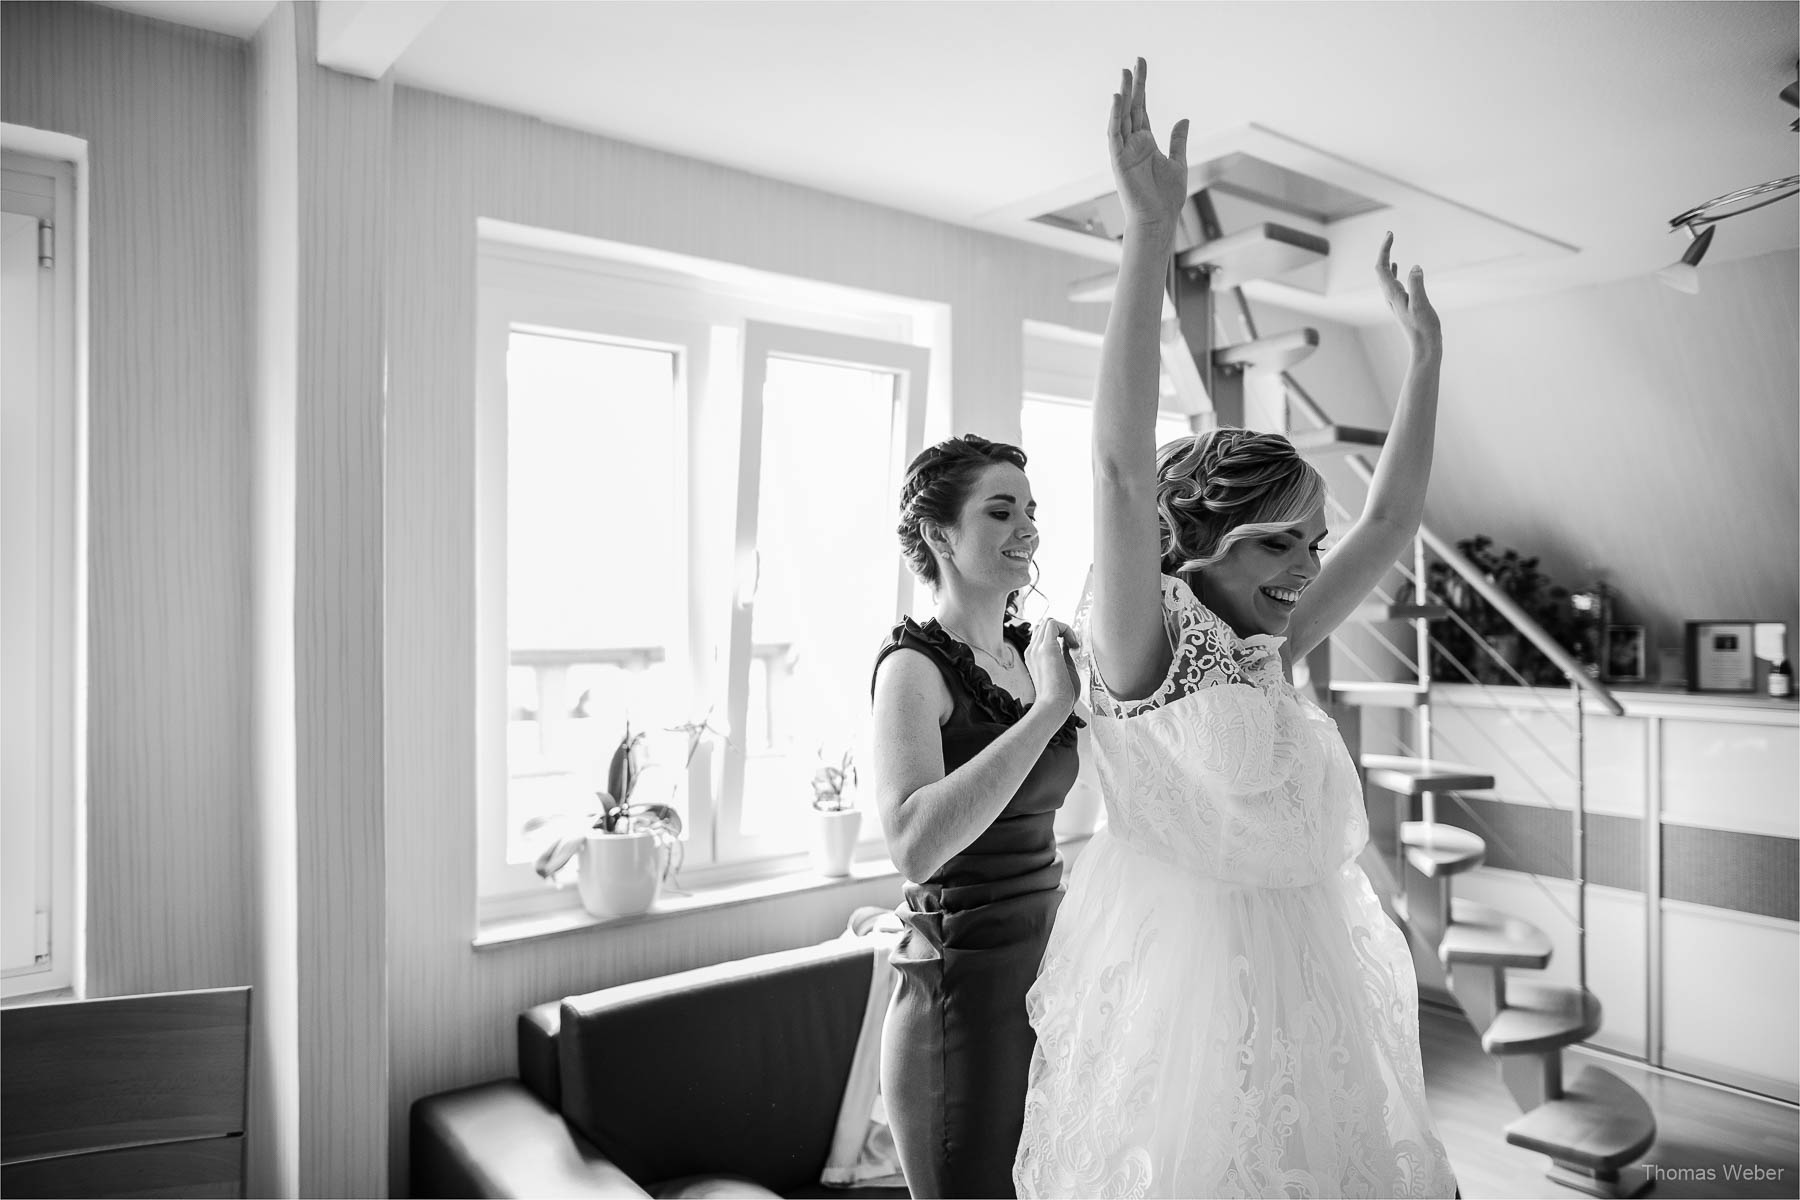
(1580, 837)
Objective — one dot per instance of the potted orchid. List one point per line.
(627, 848)
(836, 819)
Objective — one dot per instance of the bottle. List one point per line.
(1781, 680)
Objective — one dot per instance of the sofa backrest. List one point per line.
(737, 1068)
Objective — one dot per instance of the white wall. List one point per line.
(1631, 426)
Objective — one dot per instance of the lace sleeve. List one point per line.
(1203, 655)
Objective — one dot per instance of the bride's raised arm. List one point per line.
(1127, 625)
(1396, 501)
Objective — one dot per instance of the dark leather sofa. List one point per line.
(677, 1085)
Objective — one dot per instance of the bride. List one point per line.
(1223, 1008)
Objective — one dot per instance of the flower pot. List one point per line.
(620, 873)
(1080, 811)
(834, 838)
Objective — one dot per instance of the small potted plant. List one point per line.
(836, 819)
(626, 847)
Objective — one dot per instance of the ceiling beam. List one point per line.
(367, 37)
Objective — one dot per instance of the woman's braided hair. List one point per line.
(937, 486)
(1216, 488)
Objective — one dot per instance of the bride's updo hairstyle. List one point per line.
(937, 486)
(1219, 487)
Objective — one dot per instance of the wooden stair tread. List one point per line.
(1379, 610)
(1265, 250)
(1336, 439)
(1411, 776)
(1437, 849)
(1540, 1017)
(1599, 1122)
(1277, 352)
(1483, 936)
(1375, 694)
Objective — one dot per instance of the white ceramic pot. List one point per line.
(1080, 811)
(620, 873)
(834, 838)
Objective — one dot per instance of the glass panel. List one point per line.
(595, 578)
(1059, 462)
(829, 577)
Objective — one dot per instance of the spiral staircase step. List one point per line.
(1369, 694)
(1597, 1126)
(1336, 439)
(1435, 850)
(1411, 776)
(1540, 1017)
(1483, 936)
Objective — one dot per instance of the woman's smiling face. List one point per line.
(995, 535)
(1254, 587)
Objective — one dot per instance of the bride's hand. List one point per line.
(1050, 657)
(1409, 304)
(1152, 185)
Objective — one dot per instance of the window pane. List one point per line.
(830, 572)
(595, 579)
(1058, 454)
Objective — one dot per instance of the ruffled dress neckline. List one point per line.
(990, 701)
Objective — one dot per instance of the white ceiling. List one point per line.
(1586, 124)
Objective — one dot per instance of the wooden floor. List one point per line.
(1700, 1130)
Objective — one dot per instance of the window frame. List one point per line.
(50, 188)
(705, 311)
(911, 369)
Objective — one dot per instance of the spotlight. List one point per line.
(1684, 276)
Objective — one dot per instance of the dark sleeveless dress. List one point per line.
(957, 1046)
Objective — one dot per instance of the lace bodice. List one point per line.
(1226, 769)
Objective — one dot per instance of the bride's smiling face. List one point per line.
(1255, 586)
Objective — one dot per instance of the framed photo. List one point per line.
(1721, 656)
(1623, 654)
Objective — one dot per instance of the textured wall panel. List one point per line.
(163, 110)
(1747, 872)
(343, 137)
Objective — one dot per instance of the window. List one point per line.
(40, 579)
(1057, 424)
(684, 490)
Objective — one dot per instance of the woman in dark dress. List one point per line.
(974, 751)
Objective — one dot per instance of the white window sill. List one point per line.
(784, 878)
(694, 897)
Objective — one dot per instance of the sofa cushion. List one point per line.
(497, 1139)
(734, 1069)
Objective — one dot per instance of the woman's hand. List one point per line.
(1152, 185)
(1050, 658)
(1411, 308)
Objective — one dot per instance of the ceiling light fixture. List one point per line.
(1684, 274)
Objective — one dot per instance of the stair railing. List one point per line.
(1528, 628)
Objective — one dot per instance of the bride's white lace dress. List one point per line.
(1223, 1008)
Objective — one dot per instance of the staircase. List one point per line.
(1592, 1125)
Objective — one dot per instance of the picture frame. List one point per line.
(1623, 655)
(1721, 656)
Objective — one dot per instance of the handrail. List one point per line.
(1507, 607)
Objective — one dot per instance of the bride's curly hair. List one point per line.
(1219, 487)
(936, 487)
